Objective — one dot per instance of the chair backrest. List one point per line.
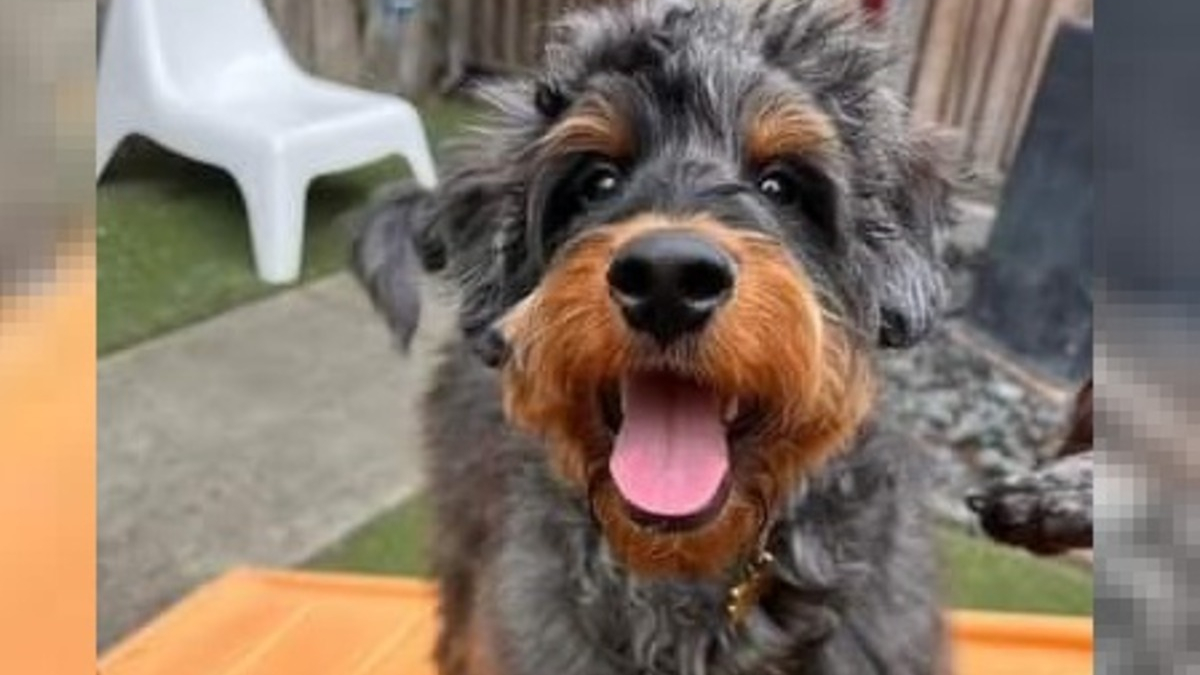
(189, 43)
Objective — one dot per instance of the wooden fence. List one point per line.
(326, 36)
(976, 69)
(504, 35)
(971, 66)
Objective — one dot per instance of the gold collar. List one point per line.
(756, 579)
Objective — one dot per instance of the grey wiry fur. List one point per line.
(525, 573)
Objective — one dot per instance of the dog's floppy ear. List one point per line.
(913, 292)
(391, 240)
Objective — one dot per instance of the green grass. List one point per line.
(394, 543)
(174, 246)
(980, 575)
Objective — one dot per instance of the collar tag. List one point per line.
(756, 579)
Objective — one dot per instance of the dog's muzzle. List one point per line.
(681, 371)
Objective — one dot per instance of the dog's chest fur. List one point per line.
(520, 559)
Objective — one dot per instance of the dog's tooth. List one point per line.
(731, 410)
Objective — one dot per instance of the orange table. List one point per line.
(284, 623)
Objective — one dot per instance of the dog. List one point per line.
(679, 247)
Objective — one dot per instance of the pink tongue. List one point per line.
(670, 455)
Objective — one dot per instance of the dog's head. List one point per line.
(681, 242)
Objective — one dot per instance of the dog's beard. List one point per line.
(684, 452)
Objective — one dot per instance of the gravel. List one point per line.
(979, 421)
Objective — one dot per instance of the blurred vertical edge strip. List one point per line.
(47, 473)
(47, 337)
(1147, 374)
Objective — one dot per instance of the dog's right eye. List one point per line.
(598, 182)
(779, 184)
(801, 187)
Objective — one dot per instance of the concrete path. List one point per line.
(256, 438)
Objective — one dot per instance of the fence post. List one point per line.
(294, 21)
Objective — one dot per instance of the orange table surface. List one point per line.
(254, 622)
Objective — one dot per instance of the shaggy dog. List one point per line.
(678, 248)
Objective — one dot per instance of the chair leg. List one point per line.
(108, 139)
(414, 148)
(275, 209)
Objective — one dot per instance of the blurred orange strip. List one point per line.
(254, 622)
(1021, 644)
(47, 474)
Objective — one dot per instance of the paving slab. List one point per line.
(256, 438)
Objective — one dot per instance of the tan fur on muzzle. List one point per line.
(772, 343)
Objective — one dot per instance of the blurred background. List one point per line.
(47, 337)
(1147, 370)
(247, 423)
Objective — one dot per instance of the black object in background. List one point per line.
(1034, 293)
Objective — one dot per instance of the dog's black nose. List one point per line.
(669, 283)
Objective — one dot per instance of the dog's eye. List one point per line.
(779, 184)
(800, 188)
(598, 182)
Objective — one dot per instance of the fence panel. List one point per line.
(978, 65)
(504, 35)
(971, 66)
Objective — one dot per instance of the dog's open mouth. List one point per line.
(670, 457)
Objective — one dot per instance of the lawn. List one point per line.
(979, 574)
(174, 246)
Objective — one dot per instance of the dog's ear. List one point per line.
(913, 292)
(391, 239)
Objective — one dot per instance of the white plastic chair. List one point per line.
(211, 80)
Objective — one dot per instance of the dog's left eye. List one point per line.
(598, 182)
(779, 184)
(800, 188)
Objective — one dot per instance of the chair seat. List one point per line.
(285, 623)
(294, 109)
(318, 128)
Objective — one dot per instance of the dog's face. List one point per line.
(681, 243)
